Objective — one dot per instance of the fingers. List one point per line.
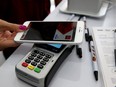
(4, 25)
(7, 34)
(0, 34)
(5, 43)
(16, 27)
(10, 43)
(7, 40)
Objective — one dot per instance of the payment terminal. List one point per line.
(41, 63)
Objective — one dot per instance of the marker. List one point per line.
(94, 61)
(115, 46)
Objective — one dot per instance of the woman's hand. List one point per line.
(7, 33)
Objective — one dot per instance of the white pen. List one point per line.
(84, 19)
(115, 46)
(94, 61)
(71, 17)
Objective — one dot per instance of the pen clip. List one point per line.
(87, 34)
(89, 40)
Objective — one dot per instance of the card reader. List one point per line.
(39, 65)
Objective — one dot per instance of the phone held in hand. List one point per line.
(50, 32)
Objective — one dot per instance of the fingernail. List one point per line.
(22, 27)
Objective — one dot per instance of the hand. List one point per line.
(7, 33)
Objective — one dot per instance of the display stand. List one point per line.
(101, 12)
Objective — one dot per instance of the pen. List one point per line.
(115, 46)
(89, 40)
(86, 29)
(87, 37)
(79, 51)
(94, 61)
(71, 17)
(81, 16)
(84, 19)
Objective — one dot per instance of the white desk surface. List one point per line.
(74, 72)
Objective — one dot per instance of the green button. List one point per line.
(37, 70)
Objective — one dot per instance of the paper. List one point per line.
(104, 45)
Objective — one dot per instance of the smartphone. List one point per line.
(51, 32)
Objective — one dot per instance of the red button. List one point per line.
(24, 64)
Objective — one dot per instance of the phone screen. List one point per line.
(52, 47)
(56, 45)
(50, 31)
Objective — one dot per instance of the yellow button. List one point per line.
(30, 67)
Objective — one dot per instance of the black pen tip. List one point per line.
(79, 52)
(115, 30)
(96, 75)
